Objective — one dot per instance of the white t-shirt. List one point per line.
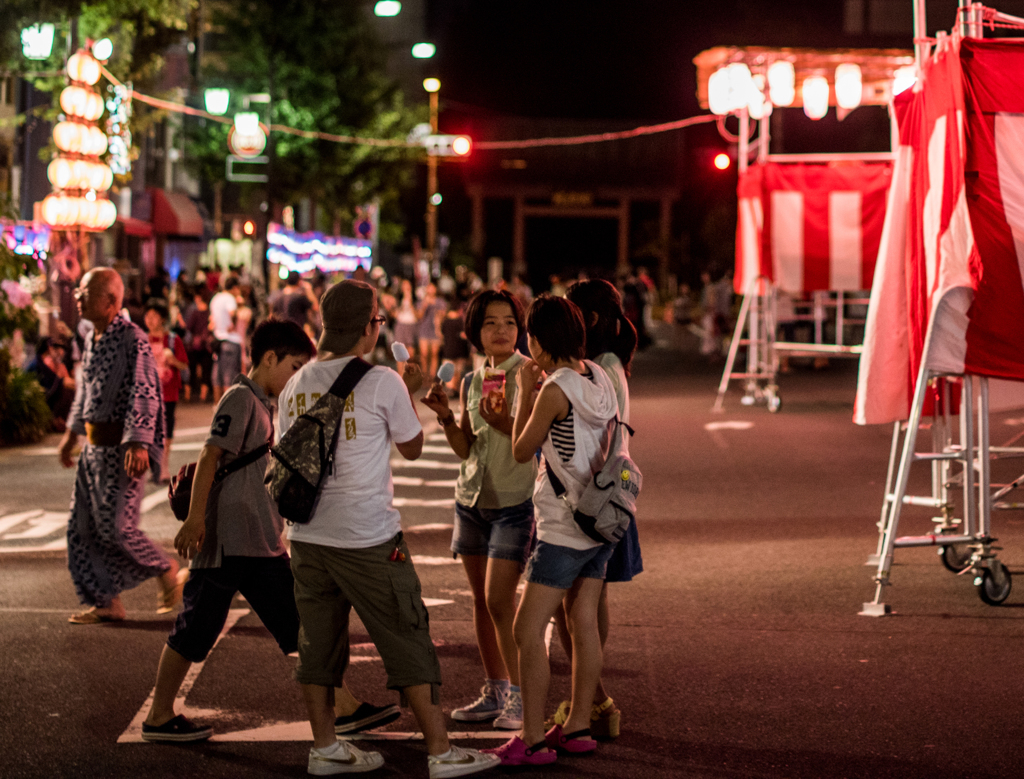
(222, 306)
(355, 508)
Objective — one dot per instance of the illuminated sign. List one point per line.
(27, 240)
(303, 252)
(247, 139)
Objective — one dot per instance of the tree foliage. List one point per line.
(324, 70)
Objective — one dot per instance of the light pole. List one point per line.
(432, 86)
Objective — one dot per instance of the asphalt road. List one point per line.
(738, 652)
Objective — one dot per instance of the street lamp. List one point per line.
(424, 51)
(217, 101)
(432, 86)
(387, 8)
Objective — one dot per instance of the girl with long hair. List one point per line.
(568, 420)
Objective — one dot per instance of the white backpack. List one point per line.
(608, 502)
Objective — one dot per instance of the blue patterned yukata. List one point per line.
(107, 553)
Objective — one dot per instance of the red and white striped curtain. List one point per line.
(811, 226)
(949, 285)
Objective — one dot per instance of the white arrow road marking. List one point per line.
(41, 524)
(282, 731)
(299, 731)
(734, 424)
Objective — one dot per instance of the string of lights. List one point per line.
(529, 143)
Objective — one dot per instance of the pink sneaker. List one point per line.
(570, 742)
(515, 752)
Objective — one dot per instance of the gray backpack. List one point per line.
(608, 502)
(304, 456)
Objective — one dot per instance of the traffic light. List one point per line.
(722, 161)
(448, 145)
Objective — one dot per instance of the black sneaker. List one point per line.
(365, 717)
(179, 728)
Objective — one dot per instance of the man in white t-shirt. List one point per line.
(352, 554)
(223, 308)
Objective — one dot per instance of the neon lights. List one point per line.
(303, 252)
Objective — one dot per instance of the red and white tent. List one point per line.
(948, 290)
(811, 226)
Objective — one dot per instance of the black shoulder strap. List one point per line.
(251, 456)
(350, 377)
(556, 483)
(237, 464)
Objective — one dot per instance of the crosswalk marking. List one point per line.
(428, 449)
(425, 464)
(416, 481)
(440, 503)
(429, 526)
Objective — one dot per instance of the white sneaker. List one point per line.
(460, 762)
(487, 706)
(511, 717)
(342, 759)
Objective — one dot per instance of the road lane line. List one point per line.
(133, 733)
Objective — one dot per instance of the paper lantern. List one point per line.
(73, 100)
(68, 136)
(100, 177)
(781, 83)
(718, 92)
(108, 214)
(849, 88)
(815, 96)
(83, 67)
(59, 173)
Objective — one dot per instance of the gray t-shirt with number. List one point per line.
(240, 518)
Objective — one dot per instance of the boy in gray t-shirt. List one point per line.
(233, 537)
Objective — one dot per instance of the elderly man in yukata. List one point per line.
(119, 409)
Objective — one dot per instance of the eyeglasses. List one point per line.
(380, 319)
(80, 293)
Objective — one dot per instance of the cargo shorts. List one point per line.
(330, 582)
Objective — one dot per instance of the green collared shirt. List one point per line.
(490, 478)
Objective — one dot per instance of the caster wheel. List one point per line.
(774, 404)
(955, 557)
(993, 584)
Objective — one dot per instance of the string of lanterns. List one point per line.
(80, 179)
(734, 88)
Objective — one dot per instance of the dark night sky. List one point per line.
(610, 60)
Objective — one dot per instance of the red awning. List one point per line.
(175, 214)
(137, 227)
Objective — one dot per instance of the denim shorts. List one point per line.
(505, 534)
(626, 561)
(559, 566)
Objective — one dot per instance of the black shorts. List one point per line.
(265, 582)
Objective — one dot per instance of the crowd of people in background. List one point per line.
(211, 315)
